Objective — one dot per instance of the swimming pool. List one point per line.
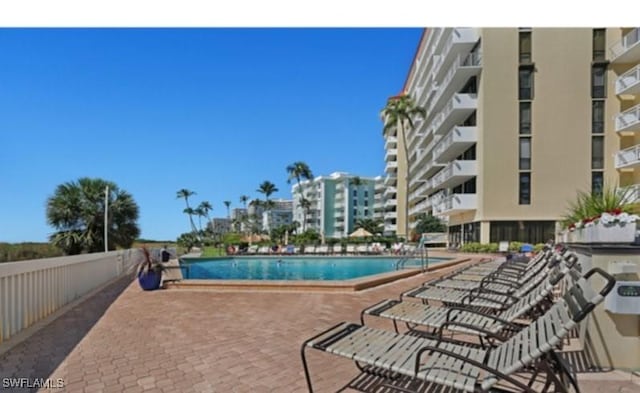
(292, 268)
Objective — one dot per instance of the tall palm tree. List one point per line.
(228, 205)
(191, 212)
(76, 210)
(267, 188)
(299, 170)
(199, 211)
(244, 199)
(399, 113)
(185, 193)
(305, 204)
(206, 208)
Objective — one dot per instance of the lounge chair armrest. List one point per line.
(499, 280)
(476, 312)
(469, 327)
(377, 308)
(431, 348)
(481, 291)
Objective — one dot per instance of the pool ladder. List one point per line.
(424, 258)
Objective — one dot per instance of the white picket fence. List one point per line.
(32, 290)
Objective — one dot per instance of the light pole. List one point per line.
(106, 221)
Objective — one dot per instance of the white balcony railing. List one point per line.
(455, 173)
(628, 120)
(390, 190)
(471, 60)
(455, 142)
(631, 193)
(390, 202)
(389, 180)
(459, 102)
(629, 82)
(390, 215)
(628, 48)
(421, 191)
(33, 290)
(456, 203)
(391, 154)
(629, 157)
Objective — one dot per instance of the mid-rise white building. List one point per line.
(336, 202)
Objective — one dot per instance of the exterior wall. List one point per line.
(561, 126)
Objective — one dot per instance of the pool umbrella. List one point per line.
(360, 232)
(526, 248)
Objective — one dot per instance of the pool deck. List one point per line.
(126, 340)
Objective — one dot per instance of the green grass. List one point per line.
(213, 252)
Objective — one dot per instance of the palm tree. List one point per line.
(184, 193)
(191, 212)
(243, 200)
(228, 205)
(206, 207)
(399, 113)
(305, 204)
(76, 210)
(299, 170)
(267, 188)
(200, 212)
(371, 225)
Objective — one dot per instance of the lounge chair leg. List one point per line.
(306, 368)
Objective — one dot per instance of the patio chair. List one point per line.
(465, 367)
(309, 249)
(337, 249)
(456, 319)
(252, 249)
(362, 249)
(322, 250)
(351, 249)
(264, 250)
(483, 296)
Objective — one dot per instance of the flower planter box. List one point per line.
(601, 233)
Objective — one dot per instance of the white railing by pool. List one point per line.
(32, 290)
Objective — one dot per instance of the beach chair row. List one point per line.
(495, 324)
(336, 249)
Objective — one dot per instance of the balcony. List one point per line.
(421, 191)
(391, 202)
(460, 41)
(390, 191)
(455, 173)
(456, 203)
(389, 180)
(420, 207)
(390, 142)
(629, 82)
(463, 68)
(628, 158)
(391, 167)
(454, 143)
(390, 228)
(626, 50)
(631, 193)
(390, 215)
(456, 111)
(629, 120)
(391, 155)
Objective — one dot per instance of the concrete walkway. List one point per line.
(127, 340)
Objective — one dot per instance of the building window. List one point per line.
(366, 203)
(598, 81)
(355, 193)
(525, 188)
(599, 43)
(525, 47)
(355, 212)
(597, 117)
(525, 117)
(525, 83)
(355, 202)
(366, 212)
(597, 152)
(366, 194)
(597, 182)
(525, 153)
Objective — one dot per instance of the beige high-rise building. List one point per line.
(517, 121)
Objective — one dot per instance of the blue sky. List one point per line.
(216, 111)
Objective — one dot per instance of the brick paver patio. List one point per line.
(127, 340)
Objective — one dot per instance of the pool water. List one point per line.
(292, 268)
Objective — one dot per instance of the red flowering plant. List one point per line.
(608, 207)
